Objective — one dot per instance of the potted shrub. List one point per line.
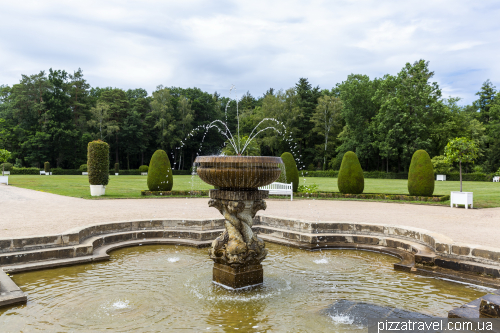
(83, 169)
(117, 169)
(461, 150)
(143, 169)
(4, 156)
(421, 175)
(98, 166)
(46, 168)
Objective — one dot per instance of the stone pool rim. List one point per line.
(420, 251)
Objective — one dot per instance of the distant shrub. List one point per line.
(160, 172)
(46, 167)
(351, 179)
(313, 188)
(6, 166)
(421, 175)
(117, 167)
(98, 162)
(441, 165)
(143, 168)
(291, 174)
(25, 171)
(83, 168)
(478, 168)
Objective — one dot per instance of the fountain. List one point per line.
(238, 252)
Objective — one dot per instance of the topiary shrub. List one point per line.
(421, 175)
(291, 173)
(117, 167)
(160, 173)
(46, 167)
(98, 162)
(143, 168)
(83, 168)
(351, 179)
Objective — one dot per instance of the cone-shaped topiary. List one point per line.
(46, 167)
(291, 173)
(351, 179)
(421, 175)
(98, 162)
(117, 167)
(160, 173)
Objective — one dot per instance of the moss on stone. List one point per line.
(290, 174)
(351, 179)
(421, 175)
(160, 173)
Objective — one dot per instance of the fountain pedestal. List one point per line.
(238, 252)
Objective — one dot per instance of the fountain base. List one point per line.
(237, 278)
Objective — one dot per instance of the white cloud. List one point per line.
(253, 44)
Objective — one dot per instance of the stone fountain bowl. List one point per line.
(238, 172)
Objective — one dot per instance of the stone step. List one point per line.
(88, 247)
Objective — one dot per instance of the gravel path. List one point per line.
(32, 213)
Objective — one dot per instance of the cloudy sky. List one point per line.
(254, 44)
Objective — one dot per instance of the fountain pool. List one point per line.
(170, 288)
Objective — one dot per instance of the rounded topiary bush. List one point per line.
(290, 174)
(160, 173)
(46, 166)
(350, 179)
(143, 168)
(117, 167)
(83, 168)
(98, 162)
(421, 175)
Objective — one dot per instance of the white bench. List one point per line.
(496, 179)
(279, 189)
(42, 172)
(441, 177)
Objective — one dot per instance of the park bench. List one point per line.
(279, 189)
(496, 179)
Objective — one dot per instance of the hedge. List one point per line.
(454, 176)
(175, 193)
(25, 171)
(376, 196)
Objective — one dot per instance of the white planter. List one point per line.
(47, 173)
(461, 198)
(144, 173)
(4, 180)
(116, 174)
(441, 177)
(85, 173)
(5, 173)
(97, 190)
(496, 179)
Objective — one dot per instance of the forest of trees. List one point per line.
(52, 117)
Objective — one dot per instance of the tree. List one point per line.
(358, 110)
(325, 118)
(461, 150)
(485, 101)
(409, 106)
(162, 111)
(4, 156)
(100, 115)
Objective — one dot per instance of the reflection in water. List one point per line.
(169, 288)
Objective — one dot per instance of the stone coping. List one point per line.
(421, 251)
(437, 243)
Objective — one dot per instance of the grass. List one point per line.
(486, 194)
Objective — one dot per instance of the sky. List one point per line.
(253, 45)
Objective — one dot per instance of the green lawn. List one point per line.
(486, 194)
